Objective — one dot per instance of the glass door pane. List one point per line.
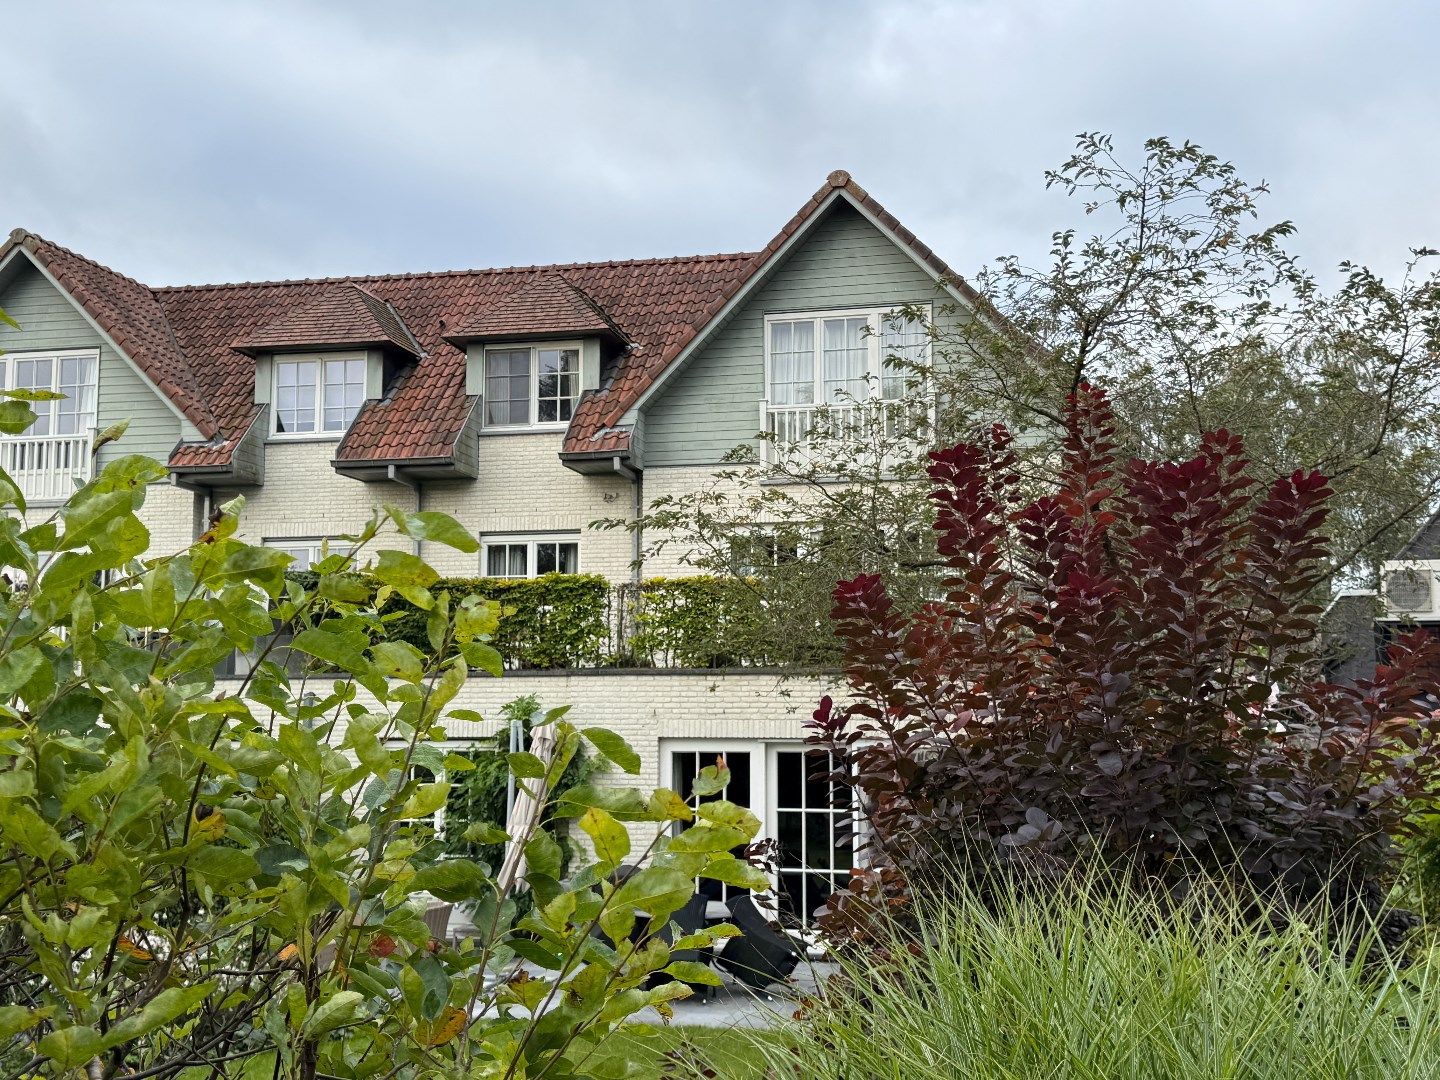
(813, 831)
(685, 766)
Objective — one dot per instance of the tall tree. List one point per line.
(1170, 291)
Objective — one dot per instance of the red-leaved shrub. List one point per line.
(1126, 669)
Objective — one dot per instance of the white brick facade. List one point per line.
(650, 707)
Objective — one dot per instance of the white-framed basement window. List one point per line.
(316, 394)
(531, 386)
(308, 550)
(530, 556)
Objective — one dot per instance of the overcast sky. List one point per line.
(186, 142)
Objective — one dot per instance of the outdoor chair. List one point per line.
(763, 956)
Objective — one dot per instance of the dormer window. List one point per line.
(531, 386)
(317, 395)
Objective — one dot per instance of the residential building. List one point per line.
(527, 402)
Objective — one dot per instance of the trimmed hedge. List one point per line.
(552, 621)
(563, 621)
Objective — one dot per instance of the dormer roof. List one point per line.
(547, 305)
(342, 315)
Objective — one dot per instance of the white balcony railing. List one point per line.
(46, 467)
(801, 432)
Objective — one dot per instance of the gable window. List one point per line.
(829, 371)
(834, 358)
(531, 387)
(316, 395)
(50, 457)
(530, 556)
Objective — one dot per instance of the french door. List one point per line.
(787, 786)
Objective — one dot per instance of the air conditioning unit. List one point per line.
(1410, 589)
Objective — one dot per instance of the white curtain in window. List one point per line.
(907, 340)
(792, 362)
(844, 355)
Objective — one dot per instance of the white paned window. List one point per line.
(72, 373)
(531, 387)
(307, 551)
(529, 556)
(317, 395)
(833, 358)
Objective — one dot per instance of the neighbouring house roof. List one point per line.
(546, 305)
(195, 342)
(345, 314)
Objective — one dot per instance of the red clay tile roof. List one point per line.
(186, 337)
(343, 314)
(546, 304)
(594, 427)
(126, 310)
(652, 300)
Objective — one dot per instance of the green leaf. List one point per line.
(706, 839)
(225, 864)
(425, 800)
(164, 1008)
(15, 416)
(16, 668)
(340, 1008)
(17, 1018)
(399, 660)
(613, 747)
(454, 880)
(525, 765)
(403, 570)
(71, 1047)
(657, 891)
(543, 856)
(690, 971)
(434, 985)
(719, 812)
(342, 649)
(608, 837)
(712, 780)
(433, 525)
(14, 784)
(482, 657)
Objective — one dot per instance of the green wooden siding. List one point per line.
(713, 404)
(48, 320)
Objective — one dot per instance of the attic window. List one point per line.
(317, 395)
(531, 387)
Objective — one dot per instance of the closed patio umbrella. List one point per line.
(524, 816)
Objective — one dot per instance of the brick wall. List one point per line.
(648, 706)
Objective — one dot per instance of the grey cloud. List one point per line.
(189, 142)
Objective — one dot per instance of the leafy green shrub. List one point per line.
(1085, 981)
(478, 792)
(227, 883)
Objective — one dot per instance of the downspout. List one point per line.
(397, 477)
(207, 501)
(617, 463)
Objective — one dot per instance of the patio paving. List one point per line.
(736, 1005)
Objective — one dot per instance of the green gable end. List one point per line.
(713, 403)
(49, 320)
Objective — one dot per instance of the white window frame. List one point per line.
(320, 360)
(874, 342)
(530, 540)
(535, 348)
(9, 361)
(316, 547)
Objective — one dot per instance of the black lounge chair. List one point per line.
(688, 920)
(763, 956)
